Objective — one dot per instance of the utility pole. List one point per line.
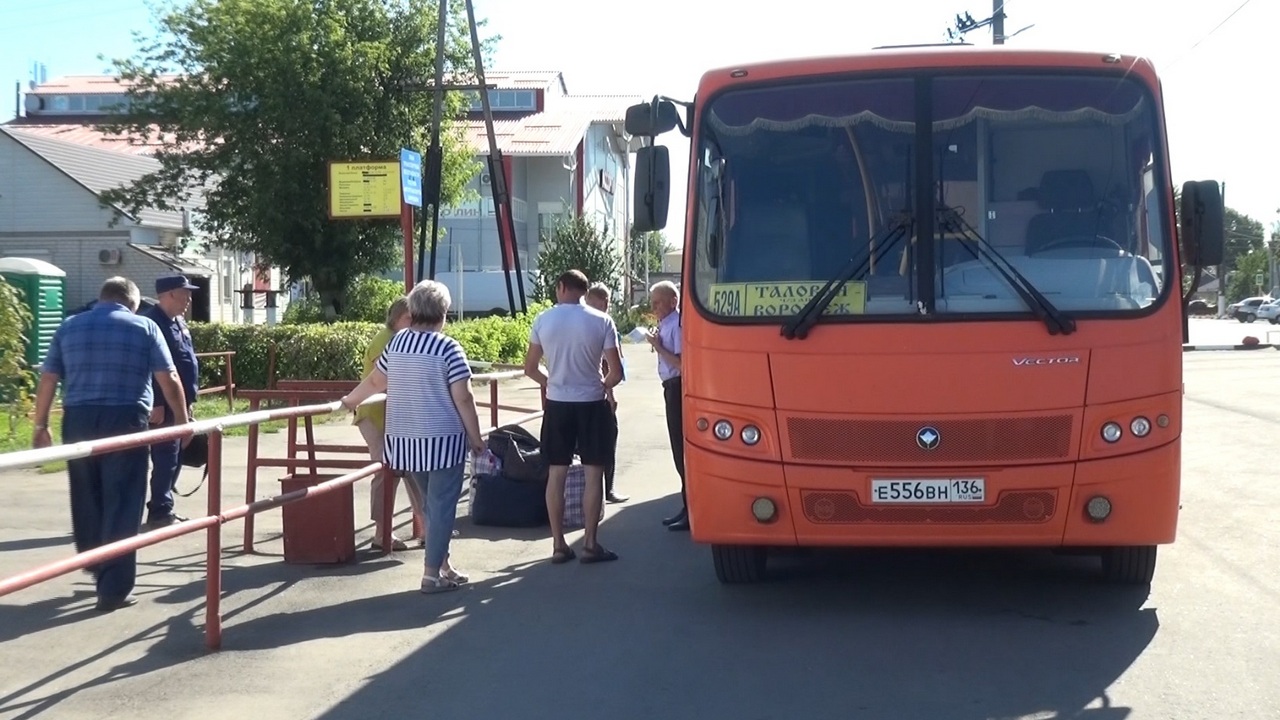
(965, 23)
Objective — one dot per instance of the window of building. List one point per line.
(506, 100)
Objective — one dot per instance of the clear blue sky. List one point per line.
(1217, 77)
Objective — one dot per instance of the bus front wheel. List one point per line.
(738, 564)
(1129, 565)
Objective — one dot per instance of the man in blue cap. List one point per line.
(173, 295)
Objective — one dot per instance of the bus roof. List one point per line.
(921, 58)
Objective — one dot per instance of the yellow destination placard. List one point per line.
(783, 298)
(364, 189)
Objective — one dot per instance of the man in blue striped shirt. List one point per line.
(106, 359)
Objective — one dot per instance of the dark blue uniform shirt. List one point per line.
(178, 338)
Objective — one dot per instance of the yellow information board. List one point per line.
(783, 298)
(364, 189)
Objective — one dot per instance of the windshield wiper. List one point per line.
(1054, 319)
(797, 328)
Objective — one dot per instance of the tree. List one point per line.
(15, 376)
(575, 244)
(646, 251)
(250, 99)
(1242, 236)
(1243, 283)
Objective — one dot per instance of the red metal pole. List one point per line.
(231, 384)
(213, 548)
(251, 476)
(493, 403)
(388, 507)
(406, 225)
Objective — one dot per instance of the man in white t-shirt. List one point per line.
(577, 417)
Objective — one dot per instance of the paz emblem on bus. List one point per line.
(1065, 360)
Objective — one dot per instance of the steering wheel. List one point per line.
(1099, 242)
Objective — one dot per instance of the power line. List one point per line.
(1211, 32)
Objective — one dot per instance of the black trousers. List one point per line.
(672, 395)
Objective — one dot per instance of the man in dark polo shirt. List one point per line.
(173, 297)
(106, 359)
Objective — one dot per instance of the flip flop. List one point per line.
(563, 555)
(597, 555)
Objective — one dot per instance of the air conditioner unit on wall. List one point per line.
(109, 256)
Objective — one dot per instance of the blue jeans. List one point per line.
(107, 491)
(439, 490)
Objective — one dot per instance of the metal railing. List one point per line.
(216, 516)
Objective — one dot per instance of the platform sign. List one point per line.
(364, 190)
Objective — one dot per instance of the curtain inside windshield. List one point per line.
(1054, 174)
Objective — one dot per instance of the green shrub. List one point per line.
(16, 380)
(321, 351)
(303, 352)
(367, 301)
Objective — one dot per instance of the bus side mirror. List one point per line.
(651, 119)
(1201, 224)
(653, 188)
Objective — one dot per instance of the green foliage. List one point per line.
(629, 318)
(576, 244)
(1243, 236)
(1242, 279)
(249, 100)
(646, 250)
(335, 351)
(367, 301)
(16, 380)
(303, 352)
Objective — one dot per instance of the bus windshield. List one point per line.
(1053, 175)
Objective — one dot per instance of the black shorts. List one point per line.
(588, 428)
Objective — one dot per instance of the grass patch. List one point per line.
(17, 436)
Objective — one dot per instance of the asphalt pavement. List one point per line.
(852, 634)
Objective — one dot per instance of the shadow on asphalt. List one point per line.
(881, 634)
(833, 634)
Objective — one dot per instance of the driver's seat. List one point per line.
(1070, 209)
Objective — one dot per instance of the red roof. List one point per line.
(75, 130)
(555, 131)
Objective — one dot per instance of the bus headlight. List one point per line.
(1140, 426)
(1111, 432)
(750, 435)
(723, 429)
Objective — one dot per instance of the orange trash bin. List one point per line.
(321, 529)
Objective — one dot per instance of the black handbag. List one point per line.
(520, 453)
(194, 455)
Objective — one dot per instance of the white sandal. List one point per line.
(454, 575)
(432, 585)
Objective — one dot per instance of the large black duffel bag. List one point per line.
(500, 501)
(520, 453)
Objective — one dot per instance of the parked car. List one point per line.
(1199, 307)
(1270, 311)
(1246, 311)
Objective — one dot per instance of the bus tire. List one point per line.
(738, 564)
(1129, 565)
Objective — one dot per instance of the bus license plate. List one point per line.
(950, 490)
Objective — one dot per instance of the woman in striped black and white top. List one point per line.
(431, 420)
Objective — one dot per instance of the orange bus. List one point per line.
(931, 297)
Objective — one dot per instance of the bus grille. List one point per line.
(894, 441)
(843, 508)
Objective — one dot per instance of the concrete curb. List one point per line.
(1259, 346)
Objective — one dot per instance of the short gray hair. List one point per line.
(120, 290)
(599, 290)
(666, 286)
(429, 302)
(397, 310)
